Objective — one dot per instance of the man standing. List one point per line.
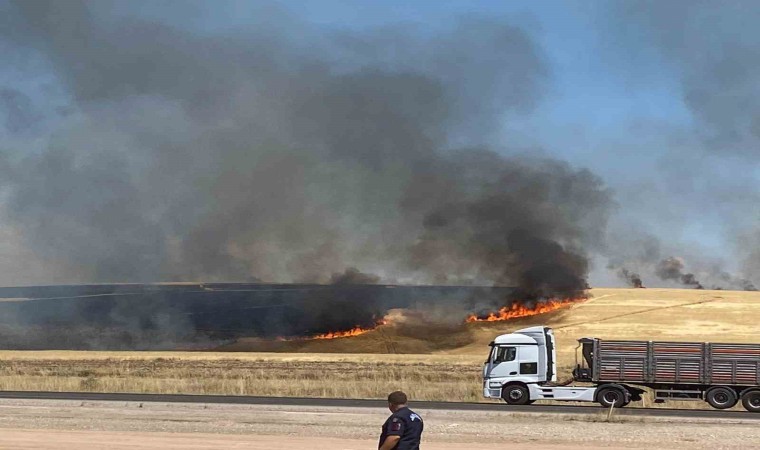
(403, 429)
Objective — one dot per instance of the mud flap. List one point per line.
(634, 392)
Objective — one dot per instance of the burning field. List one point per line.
(341, 189)
(374, 192)
(437, 361)
(207, 316)
(664, 314)
(518, 310)
(346, 318)
(406, 348)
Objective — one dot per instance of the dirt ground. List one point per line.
(42, 424)
(34, 439)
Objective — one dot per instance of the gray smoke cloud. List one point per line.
(281, 155)
(714, 49)
(349, 302)
(711, 51)
(632, 278)
(639, 256)
(18, 110)
(751, 260)
(672, 269)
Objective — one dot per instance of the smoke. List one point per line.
(715, 68)
(284, 156)
(632, 278)
(635, 255)
(751, 262)
(352, 276)
(141, 147)
(726, 279)
(632, 252)
(98, 317)
(672, 269)
(270, 154)
(706, 53)
(507, 221)
(17, 109)
(350, 301)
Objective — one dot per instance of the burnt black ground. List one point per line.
(165, 316)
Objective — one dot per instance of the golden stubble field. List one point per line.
(431, 364)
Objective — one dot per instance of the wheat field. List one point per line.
(425, 377)
(430, 365)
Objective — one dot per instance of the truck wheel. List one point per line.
(751, 401)
(721, 397)
(609, 396)
(516, 394)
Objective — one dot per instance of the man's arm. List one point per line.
(390, 442)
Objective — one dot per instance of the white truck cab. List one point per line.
(526, 355)
(522, 368)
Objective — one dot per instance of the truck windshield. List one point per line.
(505, 354)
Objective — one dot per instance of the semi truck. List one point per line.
(522, 368)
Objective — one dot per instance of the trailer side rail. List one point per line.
(691, 363)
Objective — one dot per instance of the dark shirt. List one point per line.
(407, 424)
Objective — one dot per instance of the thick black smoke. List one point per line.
(672, 269)
(256, 154)
(349, 301)
(641, 255)
(632, 278)
(284, 153)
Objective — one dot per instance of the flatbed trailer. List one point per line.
(521, 369)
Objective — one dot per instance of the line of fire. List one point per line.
(136, 316)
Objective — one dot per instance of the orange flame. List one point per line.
(517, 310)
(355, 331)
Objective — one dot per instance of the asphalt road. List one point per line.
(363, 403)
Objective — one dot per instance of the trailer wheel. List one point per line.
(721, 397)
(516, 394)
(612, 395)
(751, 401)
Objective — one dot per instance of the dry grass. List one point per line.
(356, 376)
(423, 377)
(646, 314)
(450, 370)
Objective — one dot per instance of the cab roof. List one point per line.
(514, 338)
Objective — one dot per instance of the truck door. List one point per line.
(504, 362)
(551, 355)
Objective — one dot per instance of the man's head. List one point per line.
(396, 401)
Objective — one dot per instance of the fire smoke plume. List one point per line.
(647, 255)
(347, 305)
(180, 155)
(672, 269)
(632, 278)
(715, 158)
